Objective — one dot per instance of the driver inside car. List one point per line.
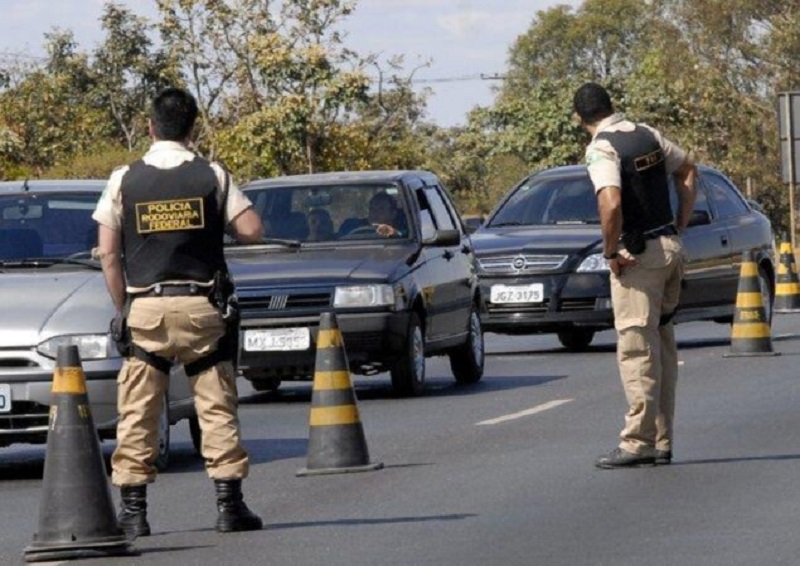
(383, 214)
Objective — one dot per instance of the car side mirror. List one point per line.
(699, 218)
(444, 238)
(472, 223)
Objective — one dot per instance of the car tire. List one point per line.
(269, 384)
(408, 373)
(467, 360)
(197, 434)
(767, 292)
(576, 339)
(162, 459)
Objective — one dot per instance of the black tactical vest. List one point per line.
(645, 186)
(172, 227)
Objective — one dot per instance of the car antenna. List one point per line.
(25, 186)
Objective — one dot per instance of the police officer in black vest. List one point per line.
(630, 165)
(161, 224)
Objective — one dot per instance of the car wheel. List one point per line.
(466, 361)
(576, 339)
(268, 384)
(162, 460)
(197, 434)
(767, 292)
(408, 373)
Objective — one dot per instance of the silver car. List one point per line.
(52, 292)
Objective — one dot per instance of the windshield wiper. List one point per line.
(269, 241)
(511, 223)
(48, 262)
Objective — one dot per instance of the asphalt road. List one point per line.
(497, 473)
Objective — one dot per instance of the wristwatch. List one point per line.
(614, 255)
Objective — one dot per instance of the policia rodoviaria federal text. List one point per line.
(161, 224)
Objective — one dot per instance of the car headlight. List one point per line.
(594, 262)
(364, 296)
(90, 346)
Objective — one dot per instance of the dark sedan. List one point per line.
(542, 269)
(385, 251)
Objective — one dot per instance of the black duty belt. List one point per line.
(175, 291)
(668, 230)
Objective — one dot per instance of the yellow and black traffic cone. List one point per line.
(787, 284)
(750, 335)
(76, 513)
(336, 439)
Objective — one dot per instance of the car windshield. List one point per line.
(46, 225)
(565, 200)
(328, 213)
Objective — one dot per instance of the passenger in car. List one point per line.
(320, 225)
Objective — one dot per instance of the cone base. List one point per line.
(351, 469)
(48, 553)
(747, 354)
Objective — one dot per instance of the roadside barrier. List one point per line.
(336, 437)
(76, 512)
(750, 334)
(787, 283)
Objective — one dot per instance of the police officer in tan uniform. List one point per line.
(161, 223)
(629, 165)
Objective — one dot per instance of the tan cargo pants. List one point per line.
(183, 329)
(646, 351)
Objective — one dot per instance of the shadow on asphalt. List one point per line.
(771, 458)
(359, 522)
(381, 390)
(29, 464)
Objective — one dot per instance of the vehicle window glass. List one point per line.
(324, 213)
(726, 198)
(441, 215)
(569, 200)
(39, 225)
(426, 224)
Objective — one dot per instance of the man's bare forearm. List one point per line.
(115, 279)
(685, 185)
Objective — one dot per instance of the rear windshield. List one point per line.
(330, 212)
(45, 225)
(567, 200)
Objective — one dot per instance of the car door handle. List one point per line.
(724, 240)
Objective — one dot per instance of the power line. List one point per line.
(477, 77)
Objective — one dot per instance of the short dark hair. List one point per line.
(592, 103)
(173, 113)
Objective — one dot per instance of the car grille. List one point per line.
(526, 308)
(578, 304)
(269, 301)
(522, 263)
(25, 415)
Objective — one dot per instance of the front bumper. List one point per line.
(570, 299)
(372, 340)
(30, 377)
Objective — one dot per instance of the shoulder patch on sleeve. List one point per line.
(593, 156)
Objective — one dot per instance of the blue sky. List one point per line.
(462, 39)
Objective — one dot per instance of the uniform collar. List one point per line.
(164, 145)
(607, 123)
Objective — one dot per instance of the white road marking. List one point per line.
(526, 412)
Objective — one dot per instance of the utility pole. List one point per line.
(788, 116)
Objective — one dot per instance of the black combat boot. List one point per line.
(132, 516)
(233, 513)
